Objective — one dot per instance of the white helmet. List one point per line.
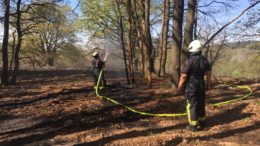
(95, 54)
(195, 46)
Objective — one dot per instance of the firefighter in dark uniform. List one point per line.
(98, 64)
(194, 86)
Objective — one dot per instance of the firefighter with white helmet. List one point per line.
(98, 64)
(193, 84)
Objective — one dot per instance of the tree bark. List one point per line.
(195, 36)
(50, 59)
(177, 40)
(146, 41)
(141, 50)
(5, 75)
(19, 43)
(152, 49)
(13, 50)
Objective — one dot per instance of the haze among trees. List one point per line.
(48, 94)
(152, 35)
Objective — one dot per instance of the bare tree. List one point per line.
(213, 50)
(146, 37)
(121, 27)
(189, 26)
(163, 39)
(230, 22)
(19, 41)
(141, 11)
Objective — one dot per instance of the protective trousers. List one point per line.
(195, 96)
(96, 73)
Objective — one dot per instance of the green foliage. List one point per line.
(71, 56)
(234, 62)
(50, 36)
(31, 50)
(238, 63)
(99, 17)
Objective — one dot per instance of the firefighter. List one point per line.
(194, 87)
(98, 64)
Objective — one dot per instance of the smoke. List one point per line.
(110, 50)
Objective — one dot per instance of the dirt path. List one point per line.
(63, 110)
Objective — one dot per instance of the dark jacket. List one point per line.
(97, 64)
(195, 68)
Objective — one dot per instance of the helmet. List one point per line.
(195, 46)
(95, 54)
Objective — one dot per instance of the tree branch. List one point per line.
(230, 22)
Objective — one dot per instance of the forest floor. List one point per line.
(61, 108)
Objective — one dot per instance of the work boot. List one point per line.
(192, 128)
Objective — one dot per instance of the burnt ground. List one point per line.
(61, 108)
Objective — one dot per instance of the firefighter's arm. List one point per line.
(183, 79)
(208, 74)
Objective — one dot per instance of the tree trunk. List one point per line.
(163, 39)
(130, 42)
(152, 57)
(188, 32)
(140, 45)
(142, 14)
(51, 54)
(195, 36)
(139, 34)
(19, 43)
(50, 60)
(146, 42)
(13, 50)
(177, 40)
(122, 39)
(151, 48)
(5, 76)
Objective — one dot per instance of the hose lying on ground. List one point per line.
(171, 114)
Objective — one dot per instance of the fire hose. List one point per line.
(169, 114)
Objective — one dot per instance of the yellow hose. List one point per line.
(166, 114)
